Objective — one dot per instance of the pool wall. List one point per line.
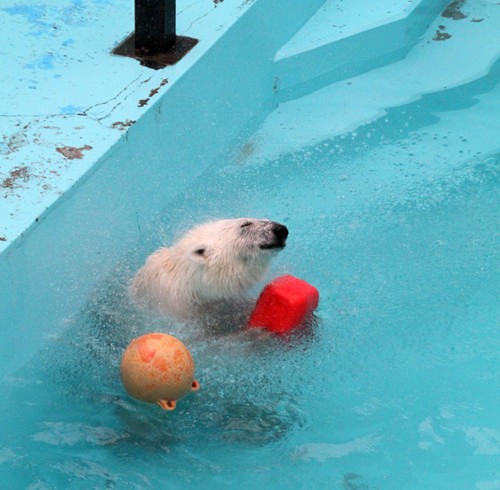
(47, 273)
(340, 56)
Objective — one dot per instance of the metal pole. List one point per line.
(154, 25)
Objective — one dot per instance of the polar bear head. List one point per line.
(214, 261)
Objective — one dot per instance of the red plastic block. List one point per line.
(284, 304)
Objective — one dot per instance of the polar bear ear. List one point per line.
(200, 254)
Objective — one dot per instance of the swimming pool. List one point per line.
(388, 181)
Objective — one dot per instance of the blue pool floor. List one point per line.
(394, 218)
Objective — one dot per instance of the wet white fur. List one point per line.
(179, 280)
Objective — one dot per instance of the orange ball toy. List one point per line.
(158, 368)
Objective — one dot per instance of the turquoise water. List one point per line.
(397, 387)
(396, 224)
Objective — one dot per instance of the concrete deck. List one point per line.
(67, 100)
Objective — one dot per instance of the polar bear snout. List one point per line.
(277, 238)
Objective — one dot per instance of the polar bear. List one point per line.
(212, 263)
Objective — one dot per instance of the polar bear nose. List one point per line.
(274, 236)
(280, 231)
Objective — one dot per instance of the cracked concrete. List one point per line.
(69, 99)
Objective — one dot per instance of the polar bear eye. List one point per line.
(200, 252)
(244, 225)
